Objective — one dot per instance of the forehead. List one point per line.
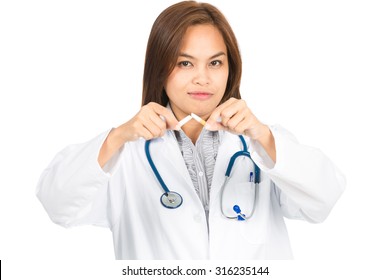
(202, 39)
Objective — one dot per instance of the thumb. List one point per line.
(214, 124)
(171, 121)
(167, 116)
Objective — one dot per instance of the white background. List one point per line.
(72, 69)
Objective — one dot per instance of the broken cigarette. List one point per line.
(184, 121)
(198, 119)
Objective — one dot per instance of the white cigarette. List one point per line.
(198, 119)
(184, 121)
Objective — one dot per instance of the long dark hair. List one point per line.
(165, 42)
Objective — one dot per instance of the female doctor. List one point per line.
(168, 198)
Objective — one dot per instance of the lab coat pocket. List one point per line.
(241, 194)
(255, 229)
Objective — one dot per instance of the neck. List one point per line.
(192, 129)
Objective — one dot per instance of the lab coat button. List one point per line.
(200, 173)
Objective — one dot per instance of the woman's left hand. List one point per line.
(235, 117)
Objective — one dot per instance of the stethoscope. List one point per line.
(173, 200)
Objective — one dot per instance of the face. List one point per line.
(198, 81)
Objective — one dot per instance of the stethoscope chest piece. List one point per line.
(171, 200)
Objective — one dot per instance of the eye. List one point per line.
(185, 64)
(216, 63)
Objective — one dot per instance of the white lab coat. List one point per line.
(125, 196)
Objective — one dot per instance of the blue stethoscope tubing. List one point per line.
(257, 177)
(172, 200)
(168, 199)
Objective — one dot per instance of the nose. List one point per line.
(201, 77)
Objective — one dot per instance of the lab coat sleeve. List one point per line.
(73, 188)
(306, 181)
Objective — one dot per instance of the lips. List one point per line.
(200, 95)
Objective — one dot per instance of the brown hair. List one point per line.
(165, 42)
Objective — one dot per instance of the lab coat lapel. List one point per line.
(171, 152)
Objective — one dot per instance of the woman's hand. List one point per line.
(235, 117)
(150, 122)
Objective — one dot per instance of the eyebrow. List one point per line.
(191, 57)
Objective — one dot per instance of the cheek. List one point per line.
(175, 82)
(170, 86)
(222, 79)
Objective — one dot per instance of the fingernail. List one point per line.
(207, 126)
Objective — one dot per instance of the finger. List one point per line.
(242, 126)
(155, 130)
(143, 132)
(235, 120)
(215, 126)
(237, 108)
(220, 114)
(158, 121)
(226, 116)
(148, 119)
(170, 119)
(217, 111)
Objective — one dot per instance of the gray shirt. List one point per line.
(200, 161)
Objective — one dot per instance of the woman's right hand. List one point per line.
(150, 122)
